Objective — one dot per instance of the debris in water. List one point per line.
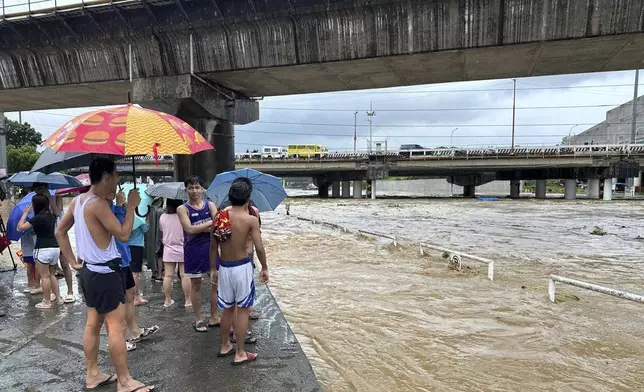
(598, 231)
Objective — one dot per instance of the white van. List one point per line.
(274, 152)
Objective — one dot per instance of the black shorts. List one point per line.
(128, 278)
(103, 292)
(136, 264)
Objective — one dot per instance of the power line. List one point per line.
(448, 109)
(428, 125)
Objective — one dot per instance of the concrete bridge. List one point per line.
(465, 167)
(205, 60)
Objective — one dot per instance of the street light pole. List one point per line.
(370, 114)
(514, 111)
(570, 133)
(355, 131)
(634, 116)
(451, 137)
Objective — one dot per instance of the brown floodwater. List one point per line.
(372, 317)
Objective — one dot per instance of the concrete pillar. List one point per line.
(608, 189)
(335, 189)
(515, 189)
(373, 189)
(346, 189)
(3, 146)
(469, 191)
(592, 192)
(570, 189)
(540, 190)
(357, 189)
(323, 190)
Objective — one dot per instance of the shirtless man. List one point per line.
(101, 279)
(236, 288)
(196, 217)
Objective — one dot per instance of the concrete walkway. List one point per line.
(41, 350)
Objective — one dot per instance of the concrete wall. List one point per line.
(439, 187)
(616, 129)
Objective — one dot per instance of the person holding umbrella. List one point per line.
(101, 279)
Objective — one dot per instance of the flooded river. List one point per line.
(372, 317)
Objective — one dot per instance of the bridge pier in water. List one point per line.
(608, 189)
(357, 189)
(540, 189)
(593, 188)
(570, 189)
(335, 189)
(212, 111)
(469, 191)
(515, 189)
(346, 189)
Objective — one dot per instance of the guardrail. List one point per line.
(583, 151)
(17, 10)
(454, 256)
(590, 286)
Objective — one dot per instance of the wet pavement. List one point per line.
(41, 350)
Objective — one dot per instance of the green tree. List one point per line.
(21, 134)
(21, 158)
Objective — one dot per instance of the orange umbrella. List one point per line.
(127, 130)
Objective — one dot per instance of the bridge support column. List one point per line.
(469, 191)
(323, 190)
(608, 189)
(515, 189)
(592, 192)
(373, 189)
(540, 189)
(346, 189)
(357, 189)
(570, 189)
(335, 189)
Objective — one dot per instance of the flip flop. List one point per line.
(111, 379)
(142, 302)
(200, 326)
(69, 299)
(249, 339)
(41, 305)
(215, 325)
(250, 358)
(145, 333)
(227, 353)
(143, 387)
(168, 305)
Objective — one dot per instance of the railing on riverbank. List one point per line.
(591, 287)
(454, 257)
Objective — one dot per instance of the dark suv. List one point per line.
(410, 147)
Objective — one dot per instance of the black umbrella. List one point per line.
(52, 161)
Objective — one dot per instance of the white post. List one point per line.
(593, 287)
(551, 289)
(490, 270)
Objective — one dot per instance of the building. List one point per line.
(616, 129)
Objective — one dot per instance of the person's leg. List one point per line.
(43, 270)
(116, 338)
(241, 326)
(37, 288)
(227, 316)
(55, 289)
(159, 272)
(167, 283)
(138, 298)
(67, 271)
(195, 298)
(130, 312)
(185, 285)
(214, 320)
(31, 279)
(91, 341)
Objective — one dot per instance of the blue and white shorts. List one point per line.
(235, 284)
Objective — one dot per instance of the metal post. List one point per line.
(192, 64)
(355, 131)
(591, 287)
(451, 138)
(370, 114)
(130, 59)
(514, 101)
(3, 146)
(570, 133)
(634, 123)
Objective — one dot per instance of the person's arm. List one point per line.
(256, 236)
(53, 204)
(23, 225)
(62, 236)
(213, 252)
(103, 213)
(182, 211)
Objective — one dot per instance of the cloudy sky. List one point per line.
(547, 108)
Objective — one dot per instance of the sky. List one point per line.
(547, 108)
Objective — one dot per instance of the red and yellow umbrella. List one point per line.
(127, 130)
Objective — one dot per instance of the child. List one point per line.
(27, 243)
(172, 239)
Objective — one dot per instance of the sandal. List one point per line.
(250, 357)
(42, 305)
(129, 346)
(109, 380)
(227, 353)
(200, 326)
(249, 339)
(145, 333)
(69, 299)
(151, 388)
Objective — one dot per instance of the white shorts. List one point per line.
(235, 284)
(47, 255)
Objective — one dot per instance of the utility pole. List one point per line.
(20, 117)
(370, 114)
(514, 109)
(3, 146)
(634, 124)
(355, 131)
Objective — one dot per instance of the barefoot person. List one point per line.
(172, 239)
(101, 279)
(236, 288)
(196, 218)
(46, 250)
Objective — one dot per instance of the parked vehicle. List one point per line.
(274, 152)
(307, 151)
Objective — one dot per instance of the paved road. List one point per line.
(42, 350)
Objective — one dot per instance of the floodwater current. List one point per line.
(373, 317)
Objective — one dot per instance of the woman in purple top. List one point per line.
(196, 218)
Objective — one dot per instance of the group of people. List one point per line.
(198, 240)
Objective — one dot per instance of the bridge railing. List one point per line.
(460, 153)
(589, 286)
(17, 9)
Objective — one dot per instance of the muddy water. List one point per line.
(376, 318)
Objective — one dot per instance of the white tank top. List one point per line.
(86, 247)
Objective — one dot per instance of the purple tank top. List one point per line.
(198, 217)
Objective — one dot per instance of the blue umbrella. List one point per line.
(54, 180)
(146, 201)
(268, 191)
(16, 213)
